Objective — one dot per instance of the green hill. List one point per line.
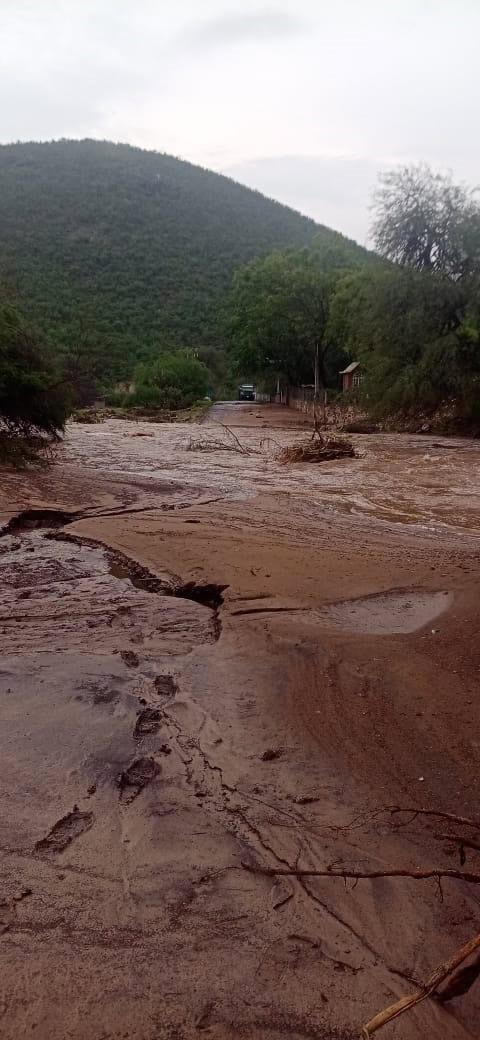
(135, 248)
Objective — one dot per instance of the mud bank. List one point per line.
(213, 659)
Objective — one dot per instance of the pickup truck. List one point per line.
(246, 392)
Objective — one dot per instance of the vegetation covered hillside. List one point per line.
(114, 250)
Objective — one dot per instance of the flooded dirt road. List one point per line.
(211, 663)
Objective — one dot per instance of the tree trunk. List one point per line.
(319, 393)
(316, 371)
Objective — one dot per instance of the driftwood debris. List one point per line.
(457, 982)
(214, 444)
(433, 873)
(444, 970)
(318, 448)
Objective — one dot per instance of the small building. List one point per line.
(352, 376)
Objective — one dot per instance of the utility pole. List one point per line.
(316, 390)
(316, 393)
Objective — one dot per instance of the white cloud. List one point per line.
(274, 93)
(239, 28)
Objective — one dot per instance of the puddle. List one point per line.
(388, 613)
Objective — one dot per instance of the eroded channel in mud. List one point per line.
(52, 563)
(86, 620)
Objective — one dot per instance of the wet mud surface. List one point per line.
(388, 613)
(209, 659)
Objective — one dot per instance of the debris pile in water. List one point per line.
(318, 449)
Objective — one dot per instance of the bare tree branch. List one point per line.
(427, 990)
(435, 873)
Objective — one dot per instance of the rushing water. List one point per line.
(397, 479)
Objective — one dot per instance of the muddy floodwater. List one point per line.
(406, 479)
(214, 666)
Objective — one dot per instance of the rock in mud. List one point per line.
(271, 754)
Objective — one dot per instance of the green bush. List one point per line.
(171, 381)
(116, 398)
(154, 397)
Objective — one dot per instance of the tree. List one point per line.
(418, 337)
(173, 380)
(219, 364)
(33, 397)
(425, 221)
(278, 316)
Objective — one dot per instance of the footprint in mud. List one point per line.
(148, 722)
(130, 658)
(138, 774)
(165, 686)
(65, 830)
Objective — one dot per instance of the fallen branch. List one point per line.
(463, 843)
(215, 445)
(362, 875)
(427, 990)
(231, 434)
(363, 818)
(206, 444)
(462, 820)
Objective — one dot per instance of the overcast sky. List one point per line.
(304, 99)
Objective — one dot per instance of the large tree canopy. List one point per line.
(425, 221)
(418, 337)
(279, 313)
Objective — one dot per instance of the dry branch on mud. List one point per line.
(457, 982)
(318, 449)
(440, 975)
(431, 874)
(413, 813)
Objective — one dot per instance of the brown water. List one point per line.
(430, 482)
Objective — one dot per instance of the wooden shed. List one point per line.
(352, 376)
